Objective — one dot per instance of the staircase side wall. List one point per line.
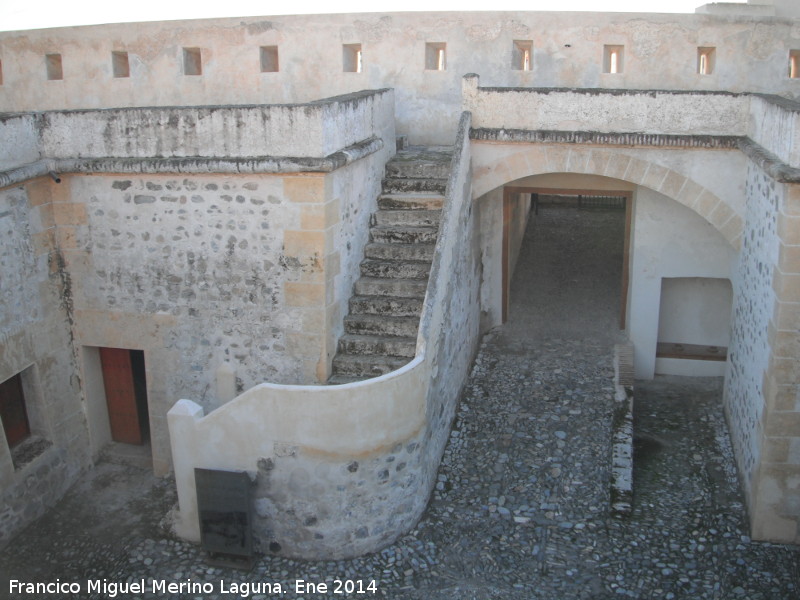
(337, 470)
(450, 323)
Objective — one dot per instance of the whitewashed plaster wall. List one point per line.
(520, 214)
(694, 310)
(567, 51)
(489, 211)
(667, 240)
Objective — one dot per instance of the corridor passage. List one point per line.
(520, 509)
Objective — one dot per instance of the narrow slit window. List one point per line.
(120, 64)
(192, 61)
(705, 60)
(794, 64)
(352, 58)
(613, 59)
(269, 59)
(13, 412)
(55, 71)
(1, 72)
(522, 55)
(435, 56)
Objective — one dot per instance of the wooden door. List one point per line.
(12, 411)
(123, 411)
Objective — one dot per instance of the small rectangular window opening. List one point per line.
(192, 61)
(521, 56)
(794, 64)
(435, 59)
(705, 60)
(269, 59)
(351, 58)
(1, 72)
(613, 59)
(120, 65)
(54, 69)
(13, 412)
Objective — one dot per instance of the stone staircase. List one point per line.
(381, 327)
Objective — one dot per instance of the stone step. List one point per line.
(420, 201)
(378, 344)
(403, 288)
(385, 305)
(392, 185)
(406, 234)
(420, 252)
(358, 365)
(382, 325)
(421, 162)
(415, 218)
(398, 269)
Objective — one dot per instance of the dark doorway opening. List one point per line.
(126, 394)
(13, 414)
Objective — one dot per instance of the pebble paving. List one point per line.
(521, 505)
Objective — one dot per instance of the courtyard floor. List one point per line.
(520, 510)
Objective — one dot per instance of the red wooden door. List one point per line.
(12, 411)
(123, 413)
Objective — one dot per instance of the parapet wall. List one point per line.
(291, 59)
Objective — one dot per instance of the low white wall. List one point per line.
(222, 132)
(315, 453)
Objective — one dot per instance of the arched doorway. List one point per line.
(585, 250)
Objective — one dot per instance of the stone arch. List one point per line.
(507, 163)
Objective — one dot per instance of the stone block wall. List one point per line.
(775, 503)
(748, 354)
(451, 318)
(36, 344)
(202, 273)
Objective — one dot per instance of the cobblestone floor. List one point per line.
(520, 510)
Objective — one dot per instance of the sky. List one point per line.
(19, 14)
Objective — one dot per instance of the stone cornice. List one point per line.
(771, 164)
(486, 134)
(194, 164)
